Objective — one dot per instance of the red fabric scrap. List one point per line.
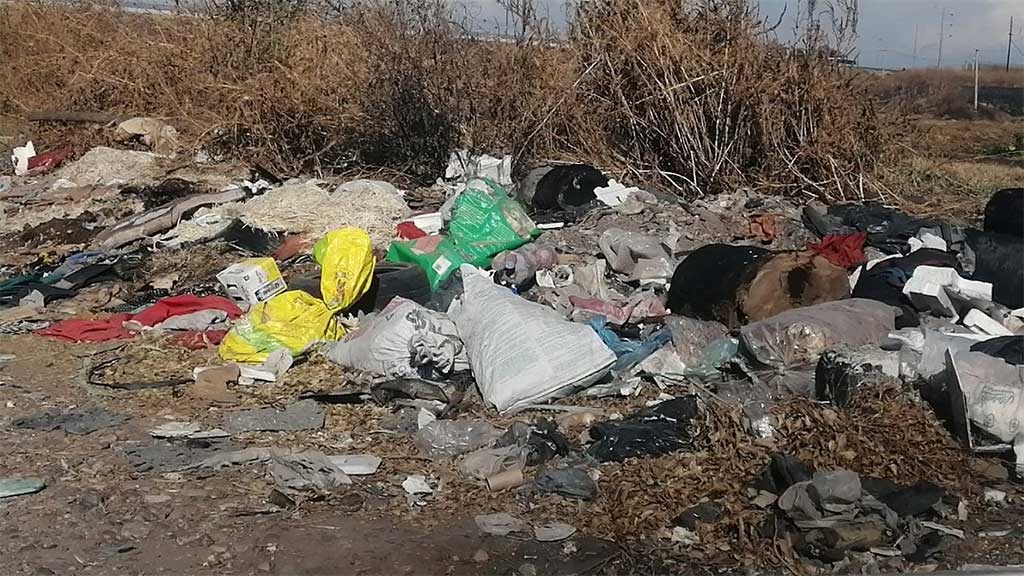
(185, 304)
(194, 340)
(112, 328)
(43, 163)
(843, 251)
(409, 231)
(102, 330)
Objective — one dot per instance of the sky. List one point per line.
(886, 30)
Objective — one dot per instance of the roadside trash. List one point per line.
(987, 392)
(1010, 349)
(560, 187)
(76, 422)
(998, 262)
(982, 323)
(501, 524)
(160, 219)
(517, 269)
(927, 289)
(628, 353)
(739, 284)
(252, 281)
(307, 472)
(568, 482)
(448, 438)
(706, 283)
(552, 357)
(306, 208)
(292, 320)
(20, 157)
(705, 512)
(661, 429)
(484, 222)
(1004, 212)
(614, 194)
(504, 480)
(272, 370)
(211, 383)
(302, 415)
(839, 375)
(346, 264)
(20, 486)
(553, 532)
(122, 326)
(799, 336)
(356, 464)
(625, 251)
(159, 136)
(403, 340)
(190, 430)
(887, 229)
(558, 277)
(416, 484)
(885, 280)
(463, 166)
(489, 462)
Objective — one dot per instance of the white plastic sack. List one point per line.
(800, 335)
(522, 352)
(990, 392)
(405, 340)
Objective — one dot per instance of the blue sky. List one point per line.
(886, 30)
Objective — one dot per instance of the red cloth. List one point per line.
(112, 328)
(843, 251)
(194, 340)
(410, 231)
(185, 304)
(103, 330)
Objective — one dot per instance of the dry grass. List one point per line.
(687, 93)
(949, 93)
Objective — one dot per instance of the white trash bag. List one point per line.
(522, 352)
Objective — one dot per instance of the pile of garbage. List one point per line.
(502, 323)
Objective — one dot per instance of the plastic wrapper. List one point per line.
(799, 336)
(346, 266)
(291, 320)
(449, 438)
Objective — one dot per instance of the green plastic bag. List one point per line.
(436, 255)
(485, 221)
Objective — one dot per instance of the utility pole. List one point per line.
(1009, 46)
(975, 80)
(942, 35)
(916, 28)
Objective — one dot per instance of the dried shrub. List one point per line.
(688, 92)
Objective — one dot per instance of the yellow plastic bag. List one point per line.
(346, 266)
(291, 320)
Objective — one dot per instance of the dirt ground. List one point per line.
(97, 515)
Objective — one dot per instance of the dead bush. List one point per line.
(688, 92)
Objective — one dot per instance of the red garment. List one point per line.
(43, 163)
(843, 251)
(194, 340)
(410, 231)
(103, 330)
(185, 304)
(112, 328)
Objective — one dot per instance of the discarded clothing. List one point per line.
(103, 330)
(185, 304)
(843, 251)
(1009, 348)
(655, 431)
(887, 229)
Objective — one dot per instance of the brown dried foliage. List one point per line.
(689, 92)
